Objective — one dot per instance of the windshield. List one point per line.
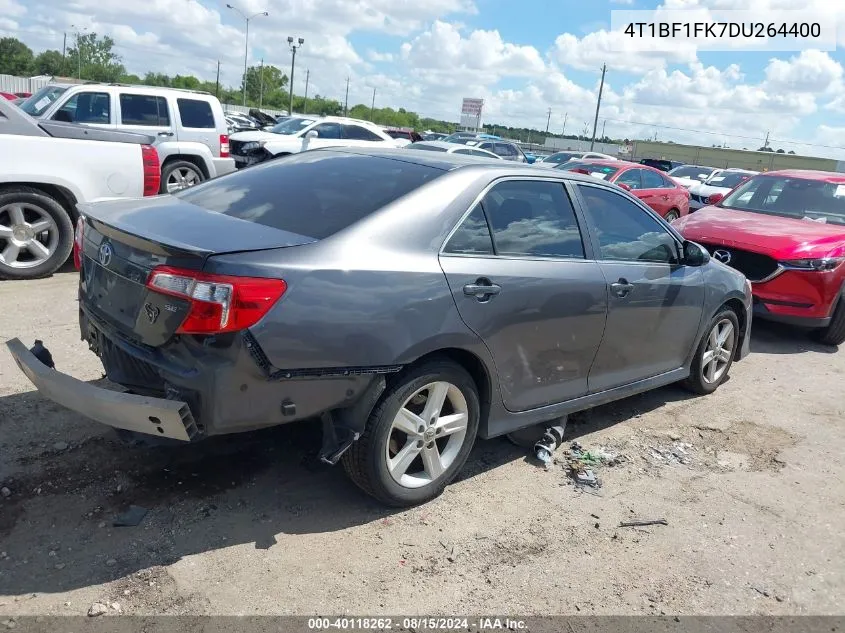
(397, 134)
(599, 171)
(727, 179)
(797, 198)
(561, 157)
(41, 100)
(691, 171)
(291, 126)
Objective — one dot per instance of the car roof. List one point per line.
(145, 88)
(449, 162)
(809, 174)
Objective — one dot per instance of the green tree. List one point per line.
(49, 63)
(15, 57)
(187, 82)
(263, 80)
(94, 59)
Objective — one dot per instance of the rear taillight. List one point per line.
(219, 303)
(224, 146)
(77, 242)
(152, 170)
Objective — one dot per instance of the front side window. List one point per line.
(626, 232)
(86, 107)
(327, 130)
(632, 178)
(533, 218)
(194, 113)
(359, 133)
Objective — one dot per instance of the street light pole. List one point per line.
(246, 37)
(598, 105)
(293, 47)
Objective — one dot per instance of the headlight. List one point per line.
(252, 145)
(820, 265)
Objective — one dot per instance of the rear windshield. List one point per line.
(599, 171)
(314, 194)
(690, 171)
(561, 157)
(426, 146)
(663, 165)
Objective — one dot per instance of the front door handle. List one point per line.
(165, 133)
(621, 288)
(482, 289)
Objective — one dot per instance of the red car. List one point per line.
(650, 185)
(785, 230)
(8, 95)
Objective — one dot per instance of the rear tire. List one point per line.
(672, 215)
(25, 251)
(178, 175)
(715, 353)
(403, 469)
(834, 333)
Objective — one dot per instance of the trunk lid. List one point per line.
(124, 240)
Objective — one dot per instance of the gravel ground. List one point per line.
(750, 480)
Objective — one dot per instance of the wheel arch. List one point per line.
(64, 196)
(194, 159)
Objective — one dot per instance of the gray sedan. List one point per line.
(408, 301)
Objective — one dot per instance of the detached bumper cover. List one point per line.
(142, 414)
(745, 347)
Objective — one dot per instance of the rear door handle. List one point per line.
(482, 289)
(621, 288)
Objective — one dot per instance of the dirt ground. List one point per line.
(750, 480)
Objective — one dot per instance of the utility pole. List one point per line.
(217, 83)
(766, 144)
(246, 37)
(563, 131)
(598, 105)
(604, 123)
(261, 84)
(64, 48)
(307, 78)
(346, 100)
(373, 107)
(548, 120)
(293, 48)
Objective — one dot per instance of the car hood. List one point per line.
(685, 182)
(778, 237)
(256, 135)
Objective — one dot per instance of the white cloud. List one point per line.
(613, 48)
(12, 9)
(375, 56)
(811, 72)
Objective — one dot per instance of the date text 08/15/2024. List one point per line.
(415, 623)
(718, 30)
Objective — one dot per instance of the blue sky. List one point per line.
(521, 57)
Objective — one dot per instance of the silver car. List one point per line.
(407, 301)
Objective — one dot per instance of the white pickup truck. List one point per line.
(46, 169)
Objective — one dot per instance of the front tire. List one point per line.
(418, 436)
(672, 215)
(715, 353)
(834, 333)
(178, 175)
(36, 234)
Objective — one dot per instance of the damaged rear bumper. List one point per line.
(142, 414)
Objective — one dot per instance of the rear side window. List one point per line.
(652, 180)
(472, 237)
(358, 133)
(533, 218)
(195, 113)
(313, 194)
(143, 110)
(327, 130)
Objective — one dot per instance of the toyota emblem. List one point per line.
(723, 256)
(104, 254)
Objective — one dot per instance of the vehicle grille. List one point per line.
(753, 265)
(236, 147)
(698, 198)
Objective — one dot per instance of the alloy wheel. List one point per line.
(427, 434)
(719, 351)
(182, 178)
(28, 235)
(671, 216)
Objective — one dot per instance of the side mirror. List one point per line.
(312, 134)
(624, 186)
(716, 197)
(695, 254)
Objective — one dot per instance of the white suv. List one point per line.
(300, 133)
(190, 128)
